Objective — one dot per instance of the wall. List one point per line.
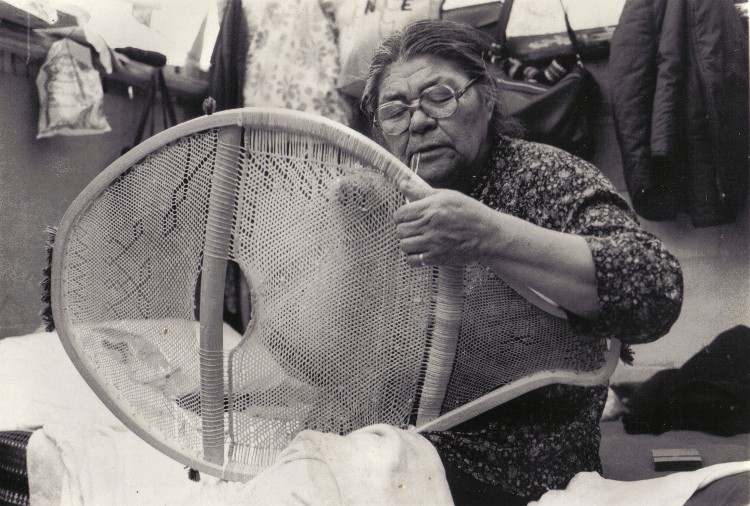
(39, 179)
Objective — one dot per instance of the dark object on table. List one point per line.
(676, 459)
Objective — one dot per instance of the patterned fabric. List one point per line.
(293, 61)
(540, 440)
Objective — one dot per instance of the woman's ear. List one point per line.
(489, 105)
(375, 134)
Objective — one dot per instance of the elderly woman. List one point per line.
(534, 215)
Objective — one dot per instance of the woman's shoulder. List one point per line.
(534, 163)
(544, 155)
(543, 184)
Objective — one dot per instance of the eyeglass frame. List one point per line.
(417, 104)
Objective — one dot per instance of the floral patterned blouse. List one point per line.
(540, 440)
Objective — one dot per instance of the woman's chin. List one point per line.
(438, 177)
(432, 179)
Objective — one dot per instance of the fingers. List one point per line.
(414, 245)
(417, 260)
(415, 189)
(418, 210)
(409, 213)
(413, 231)
(431, 201)
(405, 214)
(410, 223)
(425, 229)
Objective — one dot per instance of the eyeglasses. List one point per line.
(439, 101)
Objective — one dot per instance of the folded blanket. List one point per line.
(76, 462)
(83, 454)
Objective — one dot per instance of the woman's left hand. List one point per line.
(443, 227)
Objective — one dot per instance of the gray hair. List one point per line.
(461, 45)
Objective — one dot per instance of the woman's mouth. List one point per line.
(430, 154)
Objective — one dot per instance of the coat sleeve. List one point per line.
(633, 67)
(632, 78)
(670, 79)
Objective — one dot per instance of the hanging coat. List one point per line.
(679, 85)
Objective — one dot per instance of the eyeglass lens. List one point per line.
(437, 101)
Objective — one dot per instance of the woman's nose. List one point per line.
(421, 121)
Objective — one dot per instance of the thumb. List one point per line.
(415, 188)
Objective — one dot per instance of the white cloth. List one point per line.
(378, 464)
(83, 455)
(40, 384)
(590, 489)
(76, 462)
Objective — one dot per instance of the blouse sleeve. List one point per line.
(639, 282)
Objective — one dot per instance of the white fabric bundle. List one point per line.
(84, 455)
(75, 462)
(590, 489)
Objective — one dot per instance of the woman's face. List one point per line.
(447, 147)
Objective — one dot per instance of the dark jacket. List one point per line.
(709, 393)
(226, 87)
(227, 72)
(678, 72)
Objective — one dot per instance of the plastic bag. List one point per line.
(70, 92)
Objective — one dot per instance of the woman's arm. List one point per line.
(449, 228)
(619, 280)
